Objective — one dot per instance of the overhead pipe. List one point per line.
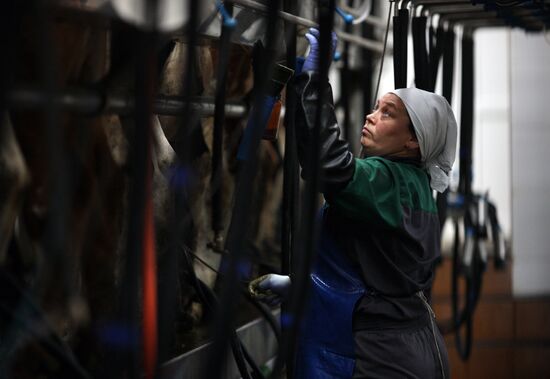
(343, 36)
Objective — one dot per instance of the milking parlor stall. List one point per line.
(152, 166)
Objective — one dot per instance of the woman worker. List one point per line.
(367, 314)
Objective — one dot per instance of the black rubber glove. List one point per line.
(337, 163)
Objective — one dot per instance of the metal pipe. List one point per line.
(91, 102)
(347, 37)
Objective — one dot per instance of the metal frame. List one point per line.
(89, 102)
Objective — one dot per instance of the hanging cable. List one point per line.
(420, 52)
(260, 307)
(290, 205)
(345, 81)
(305, 250)
(211, 302)
(470, 264)
(235, 241)
(447, 91)
(400, 37)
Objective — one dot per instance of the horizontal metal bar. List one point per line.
(438, 2)
(363, 42)
(90, 102)
(466, 16)
(447, 9)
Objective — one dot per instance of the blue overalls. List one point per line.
(325, 346)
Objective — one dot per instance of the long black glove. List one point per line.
(337, 164)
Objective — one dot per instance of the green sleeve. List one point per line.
(373, 194)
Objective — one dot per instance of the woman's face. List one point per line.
(386, 131)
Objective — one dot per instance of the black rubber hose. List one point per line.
(219, 120)
(266, 314)
(400, 34)
(448, 64)
(465, 317)
(291, 183)
(446, 40)
(466, 116)
(498, 249)
(290, 167)
(305, 252)
(345, 86)
(209, 300)
(235, 241)
(420, 52)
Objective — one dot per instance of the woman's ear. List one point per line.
(412, 143)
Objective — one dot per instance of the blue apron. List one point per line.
(325, 343)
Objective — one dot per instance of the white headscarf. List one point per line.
(435, 126)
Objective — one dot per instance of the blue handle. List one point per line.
(348, 18)
(228, 21)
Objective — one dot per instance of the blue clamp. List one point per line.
(348, 18)
(337, 56)
(228, 21)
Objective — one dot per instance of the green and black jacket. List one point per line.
(381, 212)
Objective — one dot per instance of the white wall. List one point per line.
(492, 156)
(530, 115)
